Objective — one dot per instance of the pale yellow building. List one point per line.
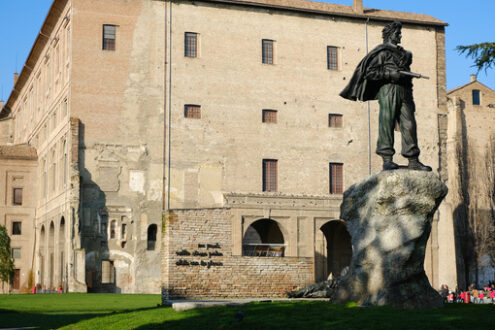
(18, 186)
(223, 119)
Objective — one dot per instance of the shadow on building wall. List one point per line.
(94, 228)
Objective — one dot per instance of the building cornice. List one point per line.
(331, 9)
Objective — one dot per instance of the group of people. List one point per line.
(472, 295)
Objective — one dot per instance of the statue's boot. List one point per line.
(415, 164)
(388, 164)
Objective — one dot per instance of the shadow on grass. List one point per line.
(318, 315)
(14, 319)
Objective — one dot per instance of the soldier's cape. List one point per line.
(360, 88)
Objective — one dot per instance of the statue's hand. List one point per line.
(394, 76)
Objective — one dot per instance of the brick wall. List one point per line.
(197, 261)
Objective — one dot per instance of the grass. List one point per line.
(104, 311)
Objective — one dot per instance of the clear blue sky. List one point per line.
(469, 22)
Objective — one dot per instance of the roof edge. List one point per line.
(39, 39)
(323, 12)
(467, 84)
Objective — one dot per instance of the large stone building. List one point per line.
(472, 153)
(212, 131)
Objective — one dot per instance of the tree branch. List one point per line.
(483, 54)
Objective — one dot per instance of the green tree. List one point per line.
(483, 54)
(6, 261)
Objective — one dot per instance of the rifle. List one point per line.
(414, 75)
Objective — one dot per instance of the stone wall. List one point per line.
(206, 235)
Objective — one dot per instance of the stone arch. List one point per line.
(42, 256)
(264, 238)
(151, 237)
(61, 254)
(51, 256)
(338, 249)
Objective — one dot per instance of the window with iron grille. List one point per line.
(191, 44)
(16, 228)
(17, 196)
(476, 97)
(334, 120)
(269, 175)
(269, 116)
(336, 178)
(16, 253)
(267, 51)
(109, 37)
(192, 111)
(332, 59)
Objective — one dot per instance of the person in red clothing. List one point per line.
(481, 297)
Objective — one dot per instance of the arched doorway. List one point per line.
(335, 251)
(51, 257)
(61, 249)
(41, 264)
(263, 238)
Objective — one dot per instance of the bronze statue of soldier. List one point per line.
(385, 75)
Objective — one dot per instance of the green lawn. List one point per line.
(103, 311)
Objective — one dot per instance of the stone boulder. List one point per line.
(389, 217)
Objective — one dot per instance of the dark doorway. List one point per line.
(339, 248)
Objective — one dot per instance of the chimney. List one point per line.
(16, 76)
(357, 7)
(473, 77)
(1, 105)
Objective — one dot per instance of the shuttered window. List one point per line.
(270, 175)
(336, 178)
(332, 59)
(192, 111)
(191, 44)
(267, 51)
(269, 116)
(109, 37)
(334, 120)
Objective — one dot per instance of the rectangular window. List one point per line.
(336, 178)
(192, 111)
(476, 97)
(269, 116)
(191, 44)
(109, 37)
(332, 59)
(16, 253)
(16, 228)
(267, 51)
(17, 196)
(334, 120)
(269, 175)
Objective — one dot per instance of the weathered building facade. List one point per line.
(221, 118)
(472, 175)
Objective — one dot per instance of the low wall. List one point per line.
(197, 261)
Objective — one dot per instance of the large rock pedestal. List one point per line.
(389, 219)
